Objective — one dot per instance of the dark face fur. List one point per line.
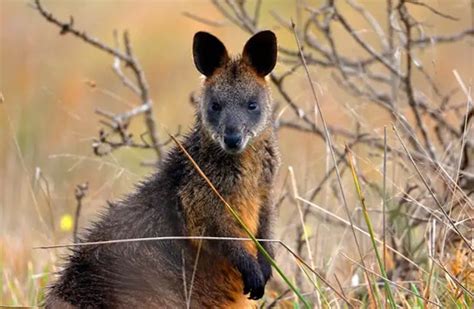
(235, 104)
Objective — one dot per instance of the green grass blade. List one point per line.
(418, 297)
(371, 230)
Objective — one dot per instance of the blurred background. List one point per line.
(51, 85)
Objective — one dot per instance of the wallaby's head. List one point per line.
(235, 104)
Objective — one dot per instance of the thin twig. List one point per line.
(430, 190)
(329, 141)
(303, 231)
(203, 20)
(435, 11)
(196, 261)
(405, 18)
(390, 281)
(79, 194)
(362, 231)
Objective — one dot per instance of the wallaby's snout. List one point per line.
(235, 105)
(235, 135)
(233, 139)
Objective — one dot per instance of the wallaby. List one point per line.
(233, 142)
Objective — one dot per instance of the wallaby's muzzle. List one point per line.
(233, 142)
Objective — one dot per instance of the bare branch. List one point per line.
(68, 27)
(436, 12)
(444, 38)
(405, 18)
(203, 20)
(129, 60)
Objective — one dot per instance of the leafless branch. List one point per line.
(139, 87)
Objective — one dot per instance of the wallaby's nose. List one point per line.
(233, 140)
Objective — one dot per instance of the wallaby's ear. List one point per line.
(260, 52)
(209, 53)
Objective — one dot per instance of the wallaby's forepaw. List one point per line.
(265, 267)
(254, 282)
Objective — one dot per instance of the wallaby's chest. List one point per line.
(244, 185)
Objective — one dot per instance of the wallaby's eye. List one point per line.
(216, 107)
(252, 106)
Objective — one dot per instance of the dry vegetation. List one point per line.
(388, 221)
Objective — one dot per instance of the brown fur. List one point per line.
(199, 205)
(176, 201)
